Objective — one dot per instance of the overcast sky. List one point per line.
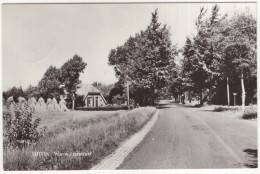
(36, 36)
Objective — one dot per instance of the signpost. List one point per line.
(234, 98)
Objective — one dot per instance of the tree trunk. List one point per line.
(73, 104)
(210, 97)
(201, 98)
(127, 93)
(228, 99)
(243, 92)
(189, 97)
(73, 101)
(152, 96)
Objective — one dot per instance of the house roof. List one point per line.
(85, 89)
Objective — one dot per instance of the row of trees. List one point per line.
(224, 49)
(54, 81)
(221, 55)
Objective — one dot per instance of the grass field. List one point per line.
(52, 119)
(78, 139)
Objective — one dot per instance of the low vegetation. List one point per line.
(77, 143)
(107, 108)
(249, 113)
(226, 108)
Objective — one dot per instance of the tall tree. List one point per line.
(146, 59)
(70, 72)
(187, 64)
(202, 56)
(238, 34)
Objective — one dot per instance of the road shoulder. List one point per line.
(114, 160)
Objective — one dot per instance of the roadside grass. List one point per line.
(92, 138)
(50, 118)
(249, 113)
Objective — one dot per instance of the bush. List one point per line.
(250, 113)
(107, 108)
(220, 109)
(19, 128)
(226, 108)
(119, 99)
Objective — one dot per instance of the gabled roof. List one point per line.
(85, 89)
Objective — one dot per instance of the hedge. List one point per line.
(106, 108)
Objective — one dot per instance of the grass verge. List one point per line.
(249, 113)
(79, 144)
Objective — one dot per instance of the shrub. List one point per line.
(19, 128)
(250, 113)
(220, 109)
(107, 108)
(226, 108)
(119, 99)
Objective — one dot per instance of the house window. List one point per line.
(90, 103)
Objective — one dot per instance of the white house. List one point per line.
(91, 95)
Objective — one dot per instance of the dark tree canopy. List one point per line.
(48, 87)
(70, 72)
(146, 60)
(224, 47)
(15, 92)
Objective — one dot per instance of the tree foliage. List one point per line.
(21, 130)
(223, 47)
(48, 86)
(146, 60)
(70, 72)
(53, 78)
(15, 92)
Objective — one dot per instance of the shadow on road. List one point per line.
(210, 111)
(252, 153)
(163, 107)
(173, 104)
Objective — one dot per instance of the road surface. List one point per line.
(184, 137)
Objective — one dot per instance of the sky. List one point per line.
(35, 36)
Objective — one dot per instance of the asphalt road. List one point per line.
(188, 138)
